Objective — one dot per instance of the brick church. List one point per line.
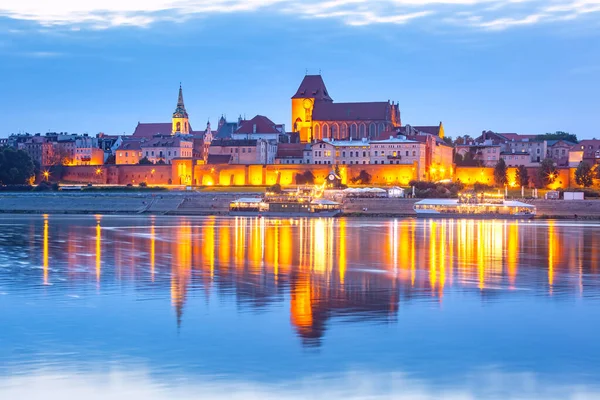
(315, 116)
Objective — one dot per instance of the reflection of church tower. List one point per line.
(305, 315)
(180, 116)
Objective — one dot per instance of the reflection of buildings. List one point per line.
(328, 270)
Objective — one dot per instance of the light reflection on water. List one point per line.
(278, 300)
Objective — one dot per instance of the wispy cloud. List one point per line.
(482, 14)
(119, 385)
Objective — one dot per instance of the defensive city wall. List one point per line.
(184, 172)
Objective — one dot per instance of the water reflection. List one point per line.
(352, 270)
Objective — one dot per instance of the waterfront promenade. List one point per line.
(197, 203)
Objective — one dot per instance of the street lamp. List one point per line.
(98, 171)
(46, 175)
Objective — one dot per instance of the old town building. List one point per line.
(315, 116)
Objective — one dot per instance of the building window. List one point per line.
(344, 133)
(414, 153)
(335, 131)
(372, 130)
(325, 131)
(364, 153)
(317, 134)
(362, 131)
(407, 153)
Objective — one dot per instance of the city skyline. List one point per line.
(525, 67)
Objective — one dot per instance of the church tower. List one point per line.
(181, 122)
(312, 90)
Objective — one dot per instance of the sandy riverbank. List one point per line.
(194, 203)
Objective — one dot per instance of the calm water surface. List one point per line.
(169, 307)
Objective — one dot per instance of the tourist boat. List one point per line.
(474, 206)
(300, 203)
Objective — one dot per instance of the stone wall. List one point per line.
(184, 172)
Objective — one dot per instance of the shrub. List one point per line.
(276, 188)
(143, 184)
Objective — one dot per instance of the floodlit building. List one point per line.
(315, 116)
(163, 149)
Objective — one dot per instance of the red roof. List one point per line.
(372, 111)
(517, 137)
(150, 130)
(312, 86)
(290, 150)
(218, 159)
(432, 130)
(262, 123)
(164, 141)
(131, 144)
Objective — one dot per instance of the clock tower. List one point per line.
(181, 122)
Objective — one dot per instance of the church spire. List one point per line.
(180, 116)
(180, 111)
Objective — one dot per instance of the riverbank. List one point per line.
(196, 203)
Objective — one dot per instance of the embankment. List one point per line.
(195, 203)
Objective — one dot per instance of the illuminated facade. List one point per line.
(315, 116)
(166, 149)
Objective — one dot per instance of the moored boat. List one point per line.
(286, 204)
(474, 206)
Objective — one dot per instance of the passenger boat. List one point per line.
(300, 203)
(474, 206)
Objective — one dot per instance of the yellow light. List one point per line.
(98, 171)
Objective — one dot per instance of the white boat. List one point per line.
(290, 204)
(474, 206)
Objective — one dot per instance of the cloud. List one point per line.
(481, 14)
(140, 384)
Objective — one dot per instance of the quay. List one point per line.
(210, 203)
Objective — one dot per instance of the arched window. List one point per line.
(335, 131)
(372, 130)
(178, 128)
(325, 131)
(317, 134)
(362, 131)
(344, 133)
(353, 133)
(381, 127)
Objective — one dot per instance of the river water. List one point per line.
(121, 307)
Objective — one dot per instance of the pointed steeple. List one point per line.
(180, 111)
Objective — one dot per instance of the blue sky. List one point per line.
(527, 66)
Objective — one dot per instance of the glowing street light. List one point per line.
(98, 171)
(46, 175)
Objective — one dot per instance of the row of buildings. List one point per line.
(323, 132)
(527, 150)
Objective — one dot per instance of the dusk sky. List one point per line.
(525, 66)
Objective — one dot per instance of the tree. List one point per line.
(559, 135)
(363, 178)
(305, 178)
(145, 161)
(458, 159)
(449, 140)
(584, 176)
(500, 173)
(547, 173)
(522, 176)
(111, 159)
(16, 167)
